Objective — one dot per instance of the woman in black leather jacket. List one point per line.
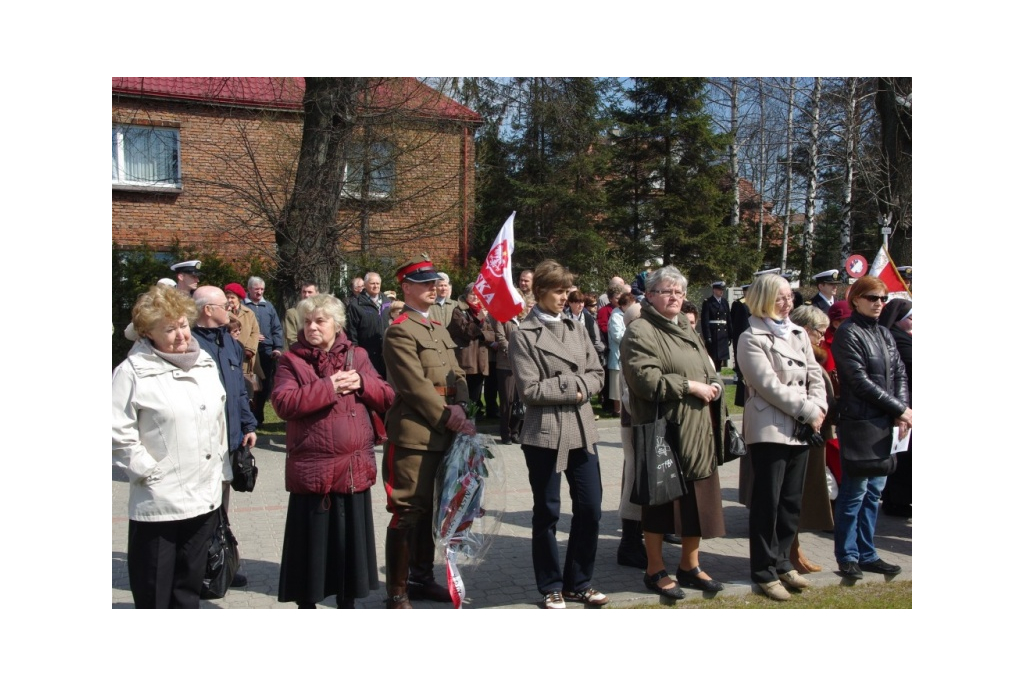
(874, 399)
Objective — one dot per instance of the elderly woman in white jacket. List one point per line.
(170, 437)
(785, 405)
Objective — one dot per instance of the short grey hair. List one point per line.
(666, 274)
(328, 304)
(444, 277)
(256, 280)
(809, 316)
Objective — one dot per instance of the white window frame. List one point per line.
(119, 177)
(383, 152)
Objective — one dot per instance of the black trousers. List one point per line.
(167, 561)
(779, 472)
(584, 477)
(491, 391)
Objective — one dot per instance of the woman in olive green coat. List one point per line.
(661, 354)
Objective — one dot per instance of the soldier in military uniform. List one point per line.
(429, 409)
(715, 326)
(828, 283)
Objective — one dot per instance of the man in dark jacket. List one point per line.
(715, 326)
(828, 283)
(365, 326)
(212, 334)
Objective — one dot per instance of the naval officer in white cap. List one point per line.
(828, 284)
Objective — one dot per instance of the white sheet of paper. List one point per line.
(900, 445)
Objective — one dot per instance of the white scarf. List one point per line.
(780, 329)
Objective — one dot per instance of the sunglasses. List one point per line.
(875, 298)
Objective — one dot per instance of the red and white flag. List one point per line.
(494, 284)
(883, 268)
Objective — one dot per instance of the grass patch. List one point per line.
(891, 595)
(272, 423)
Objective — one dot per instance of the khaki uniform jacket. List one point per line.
(420, 357)
(551, 362)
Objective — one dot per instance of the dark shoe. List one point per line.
(673, 539)
(850, 569)
(506, 441)
(349, 603)
(515, 438)
(589, 596)
(629, 555)
(241, 581)
(879, 566)
(903, 511)
(690, 579)
(652, 584)
(429, 589)
(397, 602)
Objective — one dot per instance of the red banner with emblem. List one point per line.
(494, 285)
(883, 268)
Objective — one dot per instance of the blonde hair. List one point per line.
(763, 292)
(161, 303)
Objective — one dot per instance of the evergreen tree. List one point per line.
(670, 196)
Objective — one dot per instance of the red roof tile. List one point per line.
(286, 93)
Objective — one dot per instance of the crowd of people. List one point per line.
(824, 387)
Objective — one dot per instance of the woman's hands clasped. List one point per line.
(346, 381)
(708, 393)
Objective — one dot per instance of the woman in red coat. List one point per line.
(326, 389)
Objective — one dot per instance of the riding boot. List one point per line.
(631, 547)
(422, 584)
(396, 562)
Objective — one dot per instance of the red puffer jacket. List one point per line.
(330, 436)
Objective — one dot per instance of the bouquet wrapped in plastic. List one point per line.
(470, 491)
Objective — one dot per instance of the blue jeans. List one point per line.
(855, 515)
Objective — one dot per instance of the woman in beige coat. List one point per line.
(785, 408)
(557, 371)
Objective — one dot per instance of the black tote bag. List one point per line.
(658, 480)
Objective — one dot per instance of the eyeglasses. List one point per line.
(678, 294)
(818, 333)
(875, 298)
(784, 298)
(216, 304)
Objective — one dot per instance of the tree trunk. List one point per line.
(812, 176)
(846, 223)
(789, 174)
(893, 102)
(734, 158)
(307, 237)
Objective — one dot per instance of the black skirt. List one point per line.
(329, 548)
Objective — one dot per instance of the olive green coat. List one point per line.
(653, 349)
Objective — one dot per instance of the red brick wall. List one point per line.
(221, 147)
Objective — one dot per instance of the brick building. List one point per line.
(211, 162)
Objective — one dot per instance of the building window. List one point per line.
(144, 157)
(369, 175)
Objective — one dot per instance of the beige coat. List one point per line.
(551, 362)
(783, 381)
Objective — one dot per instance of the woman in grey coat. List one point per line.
(557, 371)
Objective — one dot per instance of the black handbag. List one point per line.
(518, 409)
(658, 480)
(243, 468)
(735, 447)
(221, 561)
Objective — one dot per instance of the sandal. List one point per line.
(652, 584)
(588, 596)
(690, 579)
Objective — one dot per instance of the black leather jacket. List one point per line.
(871, 387)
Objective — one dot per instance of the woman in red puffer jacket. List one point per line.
(328, 392)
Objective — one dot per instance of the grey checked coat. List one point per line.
(551, 362)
